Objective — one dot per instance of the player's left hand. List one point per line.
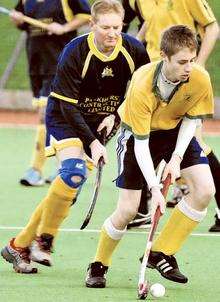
(108, 122)
(172, 168)
(56, 28)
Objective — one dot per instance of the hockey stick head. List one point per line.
(143, 290)
(143, 286)
(97, 182)
(4, 10)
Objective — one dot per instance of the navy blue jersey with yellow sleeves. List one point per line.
(96, 83)
(43, 49)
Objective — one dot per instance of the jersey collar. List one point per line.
(100, 55)
(155, 88)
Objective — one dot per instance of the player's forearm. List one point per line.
(208, 42)
(186, 133)
(76, 120)
(142, 32)
(76, 23)
(143, 156)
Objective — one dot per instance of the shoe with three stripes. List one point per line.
(167, 266)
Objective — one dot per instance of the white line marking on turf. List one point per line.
(97, 231)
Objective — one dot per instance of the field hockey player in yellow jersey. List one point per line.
(165, 101)
(198, 15)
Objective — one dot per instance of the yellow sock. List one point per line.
(38, 158)
(28, 234)
(174, 233)
(105, 248)
(37, 221)
(56, 207)
(108, 241)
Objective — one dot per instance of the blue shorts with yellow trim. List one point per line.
(162, 145)
(41, 86)
(60, 134)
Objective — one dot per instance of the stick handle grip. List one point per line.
(166, 184)
(35, 22)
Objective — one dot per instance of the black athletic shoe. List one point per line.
(172, 203)
(96, 275)
(215, 227)
(166, 266)
(140, 221)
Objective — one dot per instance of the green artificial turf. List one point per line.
(9, 36)
(74, 249)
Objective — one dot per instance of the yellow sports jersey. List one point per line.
(143, 6)
(161, 14)
(144, 110)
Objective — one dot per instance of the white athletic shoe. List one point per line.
(19, 257)
(41, 249)
(32, 178)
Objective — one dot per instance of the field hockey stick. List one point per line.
(26, 19)
(97, 185)
(143, 285)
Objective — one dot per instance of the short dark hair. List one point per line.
(177, 37)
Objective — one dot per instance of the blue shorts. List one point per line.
(161, 144)
(60, 134)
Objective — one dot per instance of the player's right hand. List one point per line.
(157, 199)
(16, 17)
(172, 168)
(108, 123)
(55, 28)
(98, 151)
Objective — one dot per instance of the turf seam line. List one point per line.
(97, 231)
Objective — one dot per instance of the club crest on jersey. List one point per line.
(107, 72)
(187, 97)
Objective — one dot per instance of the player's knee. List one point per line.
(73, 172)
(129, 213)
(205, 193)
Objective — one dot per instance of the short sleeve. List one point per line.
(201, 12)
(136, 112)
(204, 102)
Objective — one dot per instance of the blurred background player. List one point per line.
(165, 101)
(198, 15)
(91, 79)
(133, 9)
(43, 49)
